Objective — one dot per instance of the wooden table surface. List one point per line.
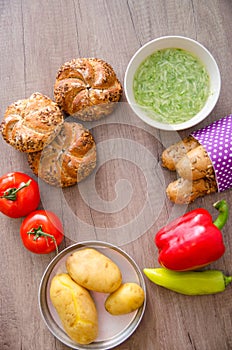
(123, 202)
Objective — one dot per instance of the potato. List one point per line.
(75, 308)
(94, 271)
(127, 298)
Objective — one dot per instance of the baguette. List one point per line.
(195, 165)
(175, 152)
(183, 191)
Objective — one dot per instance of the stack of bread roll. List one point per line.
(194, 168)
(60, 152)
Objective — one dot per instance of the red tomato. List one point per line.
(19, 194)
(41, 232)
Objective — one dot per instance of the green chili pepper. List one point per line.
(189, 282)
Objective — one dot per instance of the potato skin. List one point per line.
(75, 308)
(127, 298)
(94, 271)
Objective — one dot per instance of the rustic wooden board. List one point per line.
(36, 37)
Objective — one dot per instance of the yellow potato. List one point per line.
(75, 308)
(127, 298)
(94, 271)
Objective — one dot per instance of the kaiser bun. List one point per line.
(68, 159)
(87, 88)
(29, 124)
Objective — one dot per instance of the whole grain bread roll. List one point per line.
(31, 123)
(172, 154)
(183, 191)
(87, 88)
(68, 159)
(196, 164)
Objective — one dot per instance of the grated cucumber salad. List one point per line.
(172, 84)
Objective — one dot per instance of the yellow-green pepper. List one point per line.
(189, 282)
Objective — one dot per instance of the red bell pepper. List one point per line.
(193, 240)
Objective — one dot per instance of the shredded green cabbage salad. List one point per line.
(172, 84)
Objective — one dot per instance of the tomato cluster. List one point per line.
(41, 231)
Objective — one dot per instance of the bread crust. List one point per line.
(195, 165)
(183, 191)
(68, 159)
(87, 88)
(172, 154)
(31, 123)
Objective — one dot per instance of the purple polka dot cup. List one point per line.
(216, 138)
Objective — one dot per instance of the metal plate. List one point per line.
(113, 330)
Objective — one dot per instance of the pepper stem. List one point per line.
(38, 232)
(10, 193)
(227, 280)
(223, 209)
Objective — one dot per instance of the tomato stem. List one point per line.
(38, 232)
(10, 193)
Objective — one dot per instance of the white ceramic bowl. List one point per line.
(189, 45)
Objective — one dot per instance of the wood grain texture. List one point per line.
(36, 38)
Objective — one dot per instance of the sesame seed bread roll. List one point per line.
(87, 88)
(195, 165)
(31, 123)
(172, 155)
(68, 159)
